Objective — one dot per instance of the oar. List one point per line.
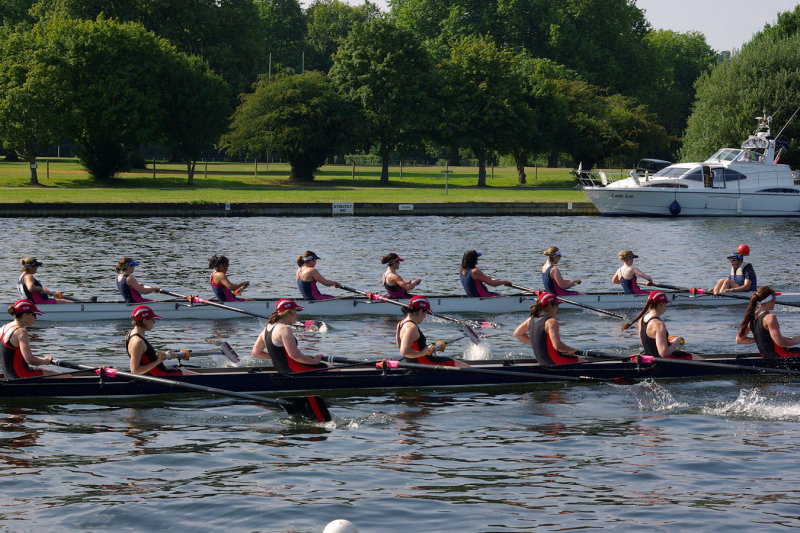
(306, 324)
(724, 294)
(572, 302)
(694, 362)
(471, 335)
(310, 407)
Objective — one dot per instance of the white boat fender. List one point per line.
(674, 208)
(340, 526)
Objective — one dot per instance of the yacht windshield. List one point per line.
(669, 172)
(726, 154)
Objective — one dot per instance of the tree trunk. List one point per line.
(452, 157)
(521, 159)
(34, 177)
(385, 152)
(481, 167)
(29, 154)
(190, 171)
(552, 160)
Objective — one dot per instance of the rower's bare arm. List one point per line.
(641, 274)
(27, 354)
(663, 345)
(554, 331)
(744, 339)
(771, 323)
(555, 273)
(137, 349)
(141, 288)
(322, 279)
(616, 277)
(259, 350)
(521, 333)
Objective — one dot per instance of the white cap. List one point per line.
(340, 526)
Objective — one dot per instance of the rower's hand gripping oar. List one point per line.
(309, 325)
(471, 335)
(309, 407)
(572, 302)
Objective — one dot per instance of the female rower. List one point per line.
(223, 289)
(412, 342)
(742, 277)
(764, 326)
(129, 287)
(394, 284)
(307, 277)
(278, 343)
(16, 355)
(653, 333)
(29, 287)
(627, 274)
(541, 332)
(551, 275)
(473, 280)
(143, 357)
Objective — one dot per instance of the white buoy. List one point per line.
(340, 526)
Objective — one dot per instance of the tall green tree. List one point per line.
(328, 23)
(301, 117)
(15, 11)
(284, 29)
(384, 69)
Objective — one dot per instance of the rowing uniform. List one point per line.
(149, 356)
(394, 291)
(546, 354)
(130, 294)
(281, 360)
(223, 294)
(649, 343)
(551, 286)
(474, 287)
(309, 290)
(629, 286)
(35, 297)
(420, 345)
(767, 347)
(742, 273)
(14, 364)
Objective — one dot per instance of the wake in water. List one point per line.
(651, 396)
(756, 403)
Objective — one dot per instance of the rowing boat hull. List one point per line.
(516, 303)
(266, 380)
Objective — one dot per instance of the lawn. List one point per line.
(238, 182)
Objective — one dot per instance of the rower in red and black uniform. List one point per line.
(392, 282)
(223, 288)
(29, 287)
(764, 327)
(143, 357)
(307, 277)
(473, 280)
(412, 342)
(128, 286)
(541, 332)
(15, 353)
(278, 343)
(551, 275)
(742, 277)
(653, 334)
(627, 275)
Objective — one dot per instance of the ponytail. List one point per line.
(756, 298)
(650, 304)
(301, 259)
(216, 261)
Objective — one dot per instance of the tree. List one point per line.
(482, 101)
(301, 117)
(14, 11)
(383, 69)
(761, 78)
(284, 27)
(328, 23)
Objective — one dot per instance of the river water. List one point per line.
(713, 454)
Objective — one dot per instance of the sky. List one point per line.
(727, 24)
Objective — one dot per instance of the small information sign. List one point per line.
(341, 208)
(406, 207)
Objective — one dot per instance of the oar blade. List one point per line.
(471, 335)
(310, 407)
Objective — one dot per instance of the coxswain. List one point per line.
(627, 275)
(16, 355)
(129, 287)
(742, 277)
(224, 290)
(474, 280)
(278, 343)
(307, 277)
(143, 357)
(29, 287)
(653, 334)
(412, 342)
(551, 275)
(395, 286)
(763, 324)
(541, 332)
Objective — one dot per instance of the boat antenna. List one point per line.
(787, 122)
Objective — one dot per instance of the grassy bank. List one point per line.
(238, 182)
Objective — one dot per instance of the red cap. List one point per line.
(546, 298)
(284, 304)
(419, 302)
(658, 297)
(142, 312)
(26, 306)
(743, 249)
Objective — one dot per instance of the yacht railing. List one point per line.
(598, 178)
